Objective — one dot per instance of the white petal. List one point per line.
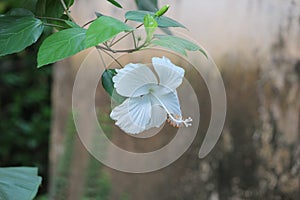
(158, 116)
(169, 74)
(133, 115)
(170, 101)
(132, 77)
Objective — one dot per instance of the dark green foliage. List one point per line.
(27, 4)
(25, 112)
(18, 32)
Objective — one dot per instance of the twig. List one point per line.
(121, 50)
(66, 10)
(113, 58)
(133, 37)
(87, 23)
(102, 58)
(125, 35)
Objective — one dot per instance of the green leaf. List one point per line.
(61, 45)
(150, 26)
(103, 29)
(177, 44)
(107, 81)
(19, 183)
(115, 3)
(108, 85)
(18, 32)
(149, 5)
(162, 21)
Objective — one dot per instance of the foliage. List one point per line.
(18, 32)
(25, 112)
(72, 38)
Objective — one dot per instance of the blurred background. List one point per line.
(255, 44)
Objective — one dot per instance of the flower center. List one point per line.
(151, 90)
(175, 120)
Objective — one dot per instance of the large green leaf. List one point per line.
(61, 45)
(19, 183)
(176, 44)
(103, 29)
(162, 21)
(108, 85)
(18, 32)
(115, 3)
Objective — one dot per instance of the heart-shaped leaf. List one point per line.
(18, 32)
(103, 29)
(61, 45)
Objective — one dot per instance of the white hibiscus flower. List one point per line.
(151, 100)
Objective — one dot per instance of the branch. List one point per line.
(125, 35)
(66, 10)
